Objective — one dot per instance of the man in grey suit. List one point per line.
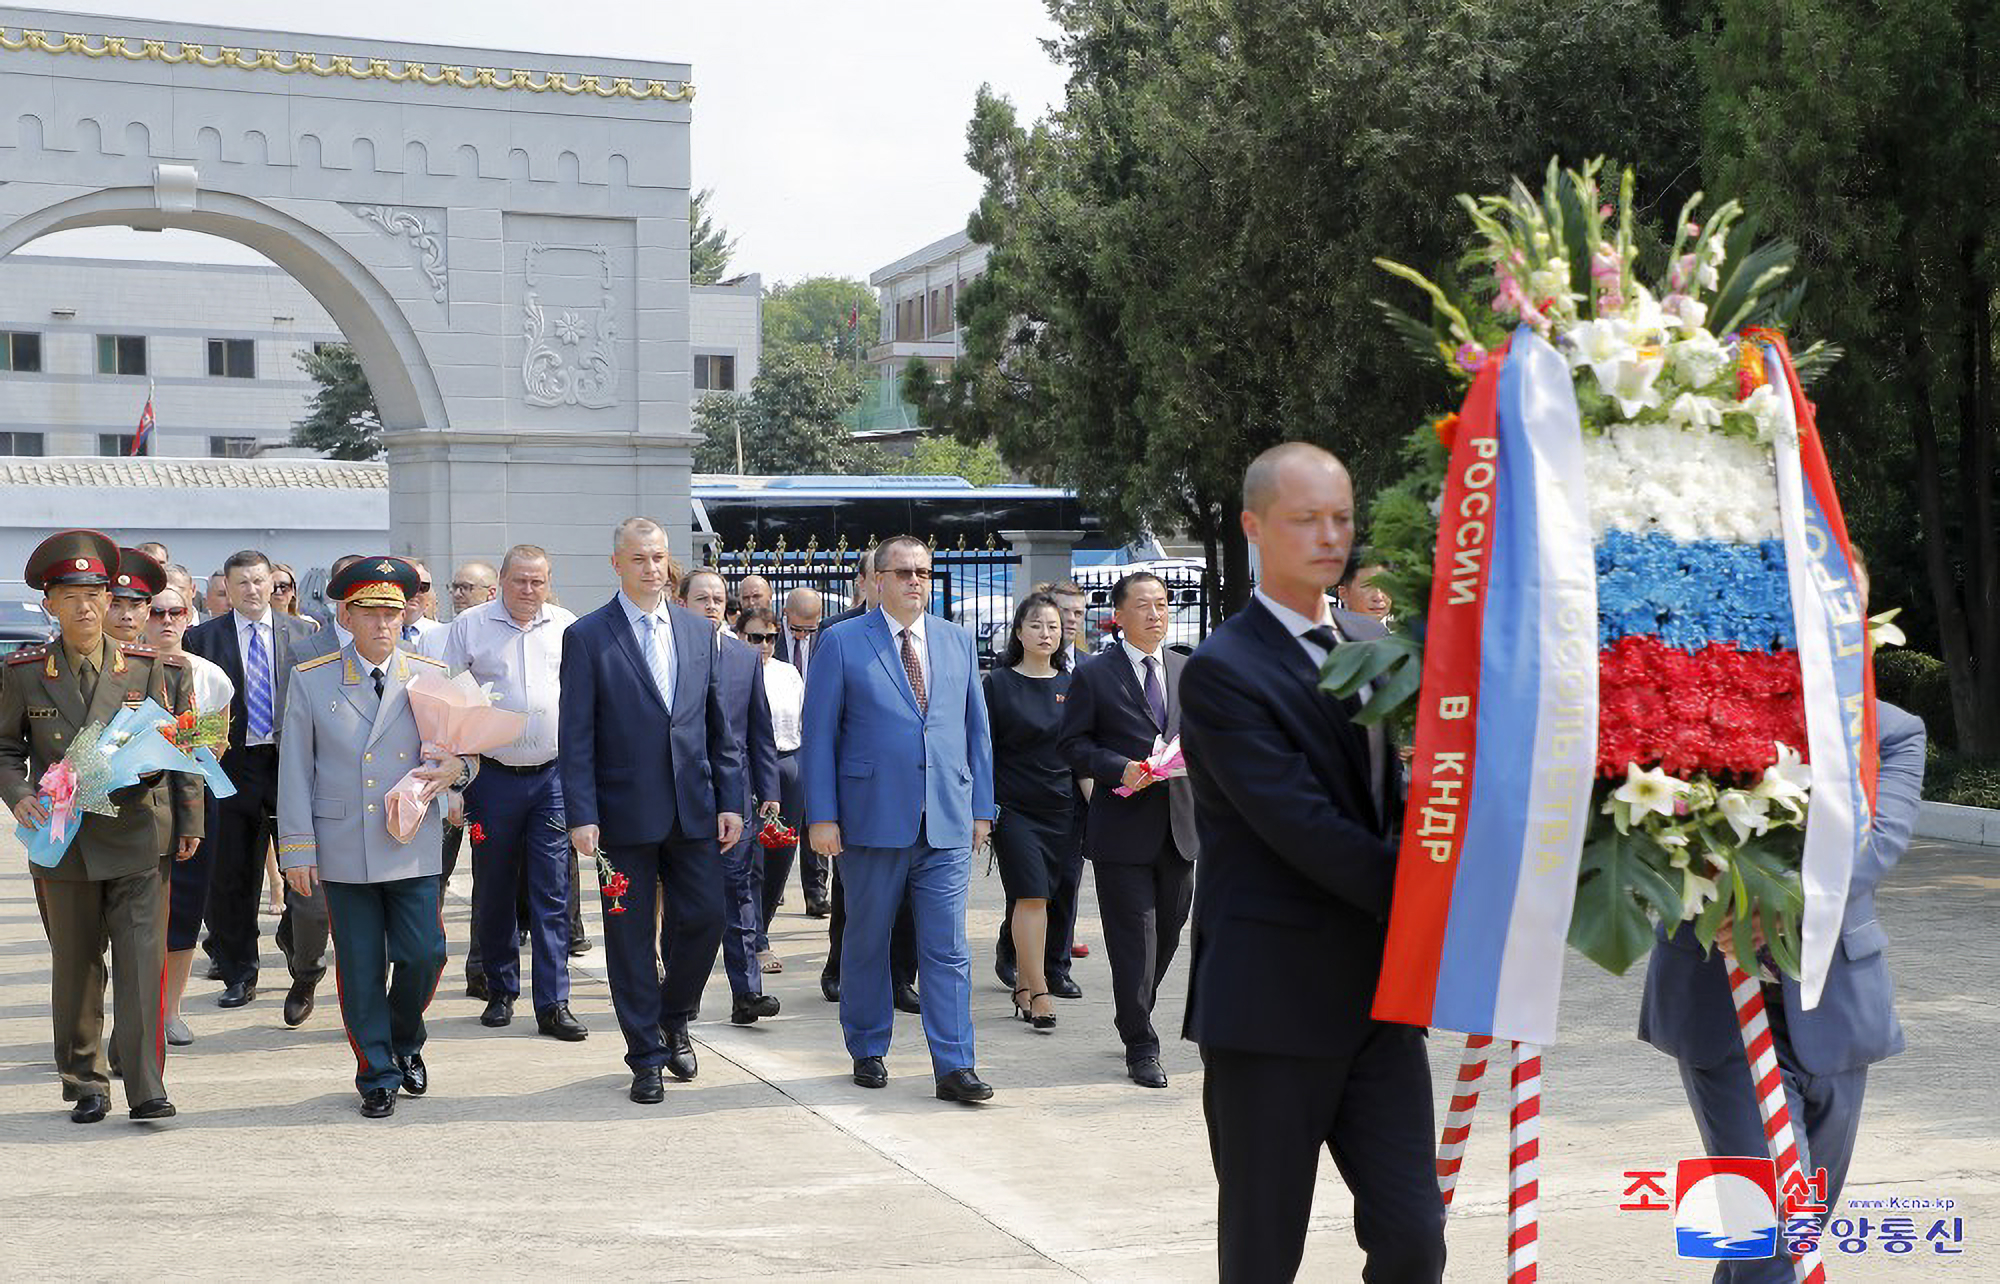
(1823, 1052)
(349, 736)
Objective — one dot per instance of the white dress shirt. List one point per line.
(662, 636)
(785, 690)
(917, 643)
(523, 662)
(244, 627)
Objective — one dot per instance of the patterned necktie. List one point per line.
(257, 698)
(916, 672)
(409, 633)
(1156, 699)
(656, 659)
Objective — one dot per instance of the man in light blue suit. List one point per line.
(1823, 1052)
(898, 771)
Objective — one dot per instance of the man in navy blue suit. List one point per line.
(650, 775)
(1297, 811)
(740, 674)
(1823, 1052)
(897, 762)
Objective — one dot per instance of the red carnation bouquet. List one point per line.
(612, 883)
(776, 834)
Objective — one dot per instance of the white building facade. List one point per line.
(84, 341)
(919, 299)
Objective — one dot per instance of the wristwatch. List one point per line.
(464, 774)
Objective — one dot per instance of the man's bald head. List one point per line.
(1261, 478)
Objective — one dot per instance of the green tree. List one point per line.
(836, 313)
(790, 422)
(979, 463)
(1181, 267)
(709, 244)
(1866, 136)
(342, 421)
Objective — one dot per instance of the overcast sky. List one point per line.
(832, 133)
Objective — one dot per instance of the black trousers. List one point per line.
(1062, 908)
(1143, 909)
(244, 826)
(902, 937)
(648, 1001)
(1268, 1116)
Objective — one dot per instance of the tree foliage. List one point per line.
(1867, 137)
(790, 422)
(979, 463)
(1181, 270)
(342, 421)
(709, 243)
(836, 313)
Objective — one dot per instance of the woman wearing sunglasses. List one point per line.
(785, 690)
(285, 593)
(170, 615)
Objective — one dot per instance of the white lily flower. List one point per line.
(1747, 814)
(1699, 359)
(1883, 631)
(1690, 314)
(1694, 412)
(1696, 892)
(1786, 782)
(1648, 792)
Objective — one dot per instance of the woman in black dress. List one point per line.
(1032, 786)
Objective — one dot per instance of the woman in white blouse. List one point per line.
(188, 887)
(785, 690)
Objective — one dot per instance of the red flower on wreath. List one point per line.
(475, 833)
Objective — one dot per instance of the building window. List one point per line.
(950, 321)
(233, 447)
(114, 444)
(121, 354)
(714, 373)
(21, 352)
(232, 359)
(21, 443)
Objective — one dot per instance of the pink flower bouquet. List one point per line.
(457, 716)
(1164, 763)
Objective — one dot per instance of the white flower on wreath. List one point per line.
(1651, 792)
(1690, 314)
(1787, 782)
(1747, 814)
(1695, 412)
(1762, 407)
(1698, 360)
(1696, 891)
(1625, 370)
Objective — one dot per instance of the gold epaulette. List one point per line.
(28, 655)
(316, 661)
(418, 655)
(137, 648)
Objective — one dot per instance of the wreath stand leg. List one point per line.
(1524, 1149)
(1458, 1120)
(1755, 1027)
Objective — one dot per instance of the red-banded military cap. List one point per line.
(375, 581)
(72, 557)
(138, 575)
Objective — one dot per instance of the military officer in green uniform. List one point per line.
(107, 885)
(348, 736)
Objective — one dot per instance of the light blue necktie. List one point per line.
(656, 659)
(257, 699)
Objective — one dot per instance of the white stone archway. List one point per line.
(502, 236)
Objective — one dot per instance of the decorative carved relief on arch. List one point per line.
(572, 360)
(424, 231)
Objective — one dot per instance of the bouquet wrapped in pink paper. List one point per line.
(453, 714)
(1164, 763)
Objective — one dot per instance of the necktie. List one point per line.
(1378, 744)
(409, 633)
(656, 659)
(257, 699)
(1321, 636)
(916, 672)
(377, 675)
(1156, 699)
(86, 681)
(801, 654)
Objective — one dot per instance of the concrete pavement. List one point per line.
(527, 1161)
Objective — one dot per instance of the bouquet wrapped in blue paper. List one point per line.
(104, 759)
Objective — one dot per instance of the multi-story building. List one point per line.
(83, 341)
(919, 295)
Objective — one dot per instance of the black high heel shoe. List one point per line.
(1027, 1014)
(1021, 1013)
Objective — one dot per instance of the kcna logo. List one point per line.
(1726, 1208)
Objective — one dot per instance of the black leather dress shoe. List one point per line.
(1064, 988)
(416, 1075)
(869, 1072)
(906, 999)
(378, 1103)
(964, 1087)
(299, 1003)
(89, 1108)
(829, 987)
(157, 1108)
(746, 1008)
(647, 1089)
(1146, 1073)
(475, 987)
(556, 1022)
(499, 1011)
(1009, 974)
(213, 971)
(235, 996)
(818, 909)
(680, 1055)
(579, 946)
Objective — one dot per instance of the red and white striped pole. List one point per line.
(1458, 1120)
(1755, 1027)
(1524, 1150)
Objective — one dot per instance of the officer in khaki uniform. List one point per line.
(107, 885)
(348, 736)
